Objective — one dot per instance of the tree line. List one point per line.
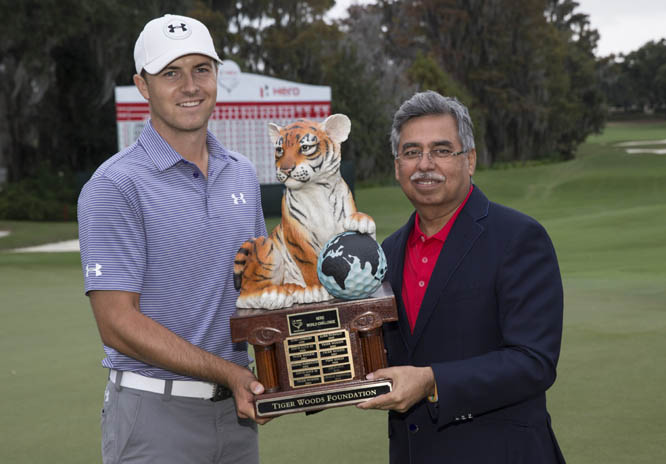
(525, 68)
(636, 82)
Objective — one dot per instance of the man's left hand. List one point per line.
(410, 385)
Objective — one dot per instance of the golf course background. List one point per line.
(606, 214)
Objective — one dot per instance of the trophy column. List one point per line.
(372, 346)
(263, 341)
(267, 367)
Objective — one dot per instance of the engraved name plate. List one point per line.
(319, 358)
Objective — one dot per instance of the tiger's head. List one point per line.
(307, 150)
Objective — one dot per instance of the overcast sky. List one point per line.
(624, 25)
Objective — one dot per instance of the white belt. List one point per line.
(187, 388)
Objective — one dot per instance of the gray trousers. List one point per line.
(143, 427)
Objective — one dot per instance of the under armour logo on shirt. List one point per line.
(96, 269)
(238, 198)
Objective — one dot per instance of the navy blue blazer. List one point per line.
(490, 326)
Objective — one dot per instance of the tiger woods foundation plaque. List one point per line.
(316, 356)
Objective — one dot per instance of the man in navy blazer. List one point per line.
(479, 297)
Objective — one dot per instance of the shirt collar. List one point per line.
(164, 156)
(418, 235)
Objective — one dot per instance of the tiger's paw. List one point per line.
(273, 298)
(311, 295)
(361, 223)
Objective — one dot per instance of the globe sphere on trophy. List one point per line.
(351, 266)
(311, 298)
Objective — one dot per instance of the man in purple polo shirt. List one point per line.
(480, 302)
(159, 225)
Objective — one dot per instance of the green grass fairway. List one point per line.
(606, 214)
(50, 381)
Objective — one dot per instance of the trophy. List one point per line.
(315, 356)
(313, 312)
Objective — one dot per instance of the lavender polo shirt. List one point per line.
(151, 223)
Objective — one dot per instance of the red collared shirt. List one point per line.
(421, 254)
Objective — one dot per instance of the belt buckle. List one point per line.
(221, 393)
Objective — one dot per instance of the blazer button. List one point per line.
(413, 428)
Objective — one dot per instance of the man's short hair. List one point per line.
(431, 103)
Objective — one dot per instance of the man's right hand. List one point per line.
(244, 386)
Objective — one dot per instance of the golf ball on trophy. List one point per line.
(351, 266)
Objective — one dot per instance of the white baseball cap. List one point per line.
(168, 38)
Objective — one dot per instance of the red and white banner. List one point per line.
(246, 103)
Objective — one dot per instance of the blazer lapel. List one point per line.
(395, 271)
(464, 233)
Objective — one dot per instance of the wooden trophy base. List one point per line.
(316, 356)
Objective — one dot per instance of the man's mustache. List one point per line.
(427, 176)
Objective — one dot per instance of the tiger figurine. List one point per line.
(281, 270)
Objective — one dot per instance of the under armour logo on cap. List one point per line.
(177, 29)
